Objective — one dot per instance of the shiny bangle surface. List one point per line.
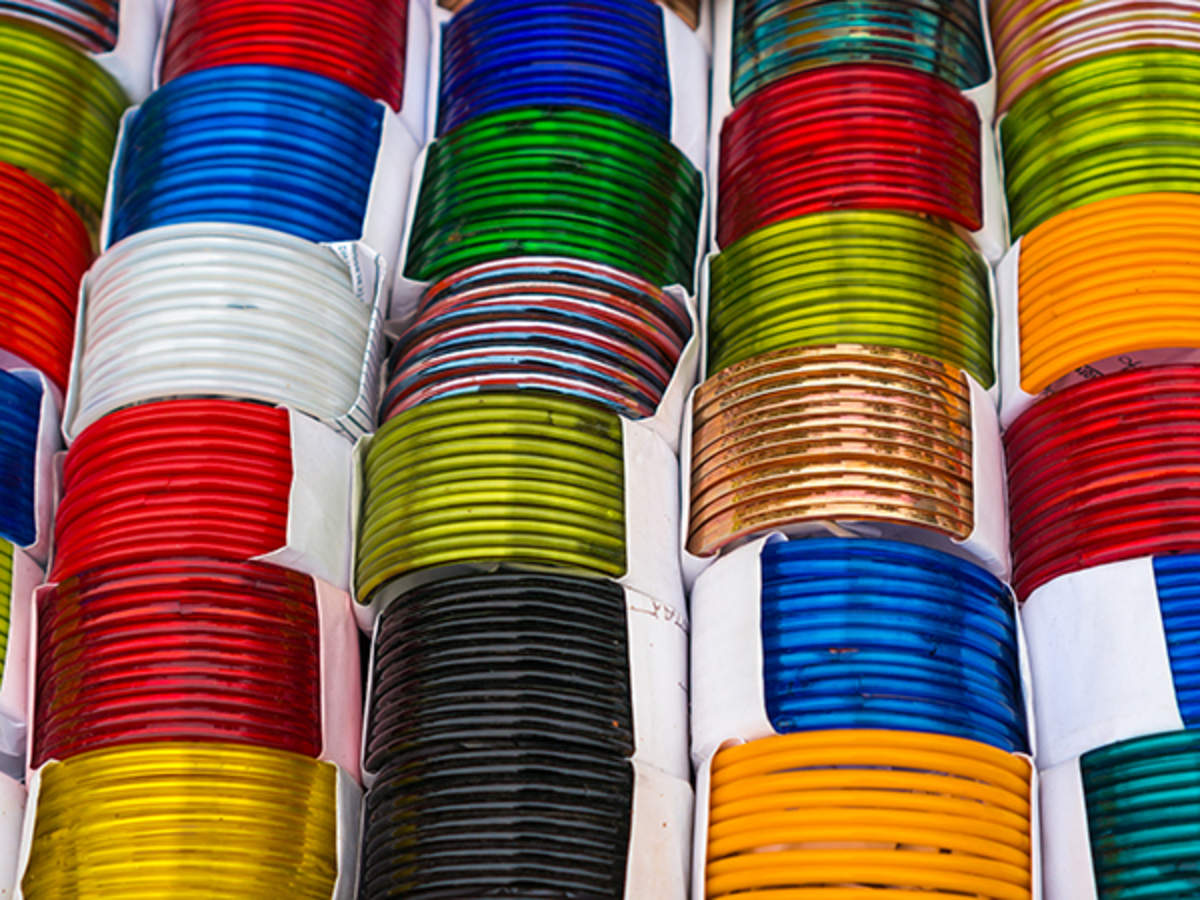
(776, 38)
(849, 137)
(609, 59)
(175, 650)
(868, 277)
(866, 633)
(249, 144)
(1109, 126)
(323, 38)
(205, 478)
(519, 477)
(557, 182)
(843, 432)
(59, 115)
(240, 326)
(206, 818)
(1091, 479)
(20, 414)
(776, 802)
(562, 326)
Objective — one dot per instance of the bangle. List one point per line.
(20, 415)
(207, 817)
(91, 24)
(325, 39)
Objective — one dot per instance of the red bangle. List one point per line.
(850, 137)
(175, 478)
(181, 650)
(44, 251)
(329, 38)
(1091, 480)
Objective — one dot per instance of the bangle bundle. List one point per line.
(1109, 278)
(852, 276)
(850, 137)
(833, 433)
(557, 182)
(559, 325)
(20, 416)
(199, 478)
(610, 58)
(323, 38)
(185, 820)
(847, 813)
(241, 324)
(1104, 470)
(251, 144)
(177, 650)
(1177, 580)
(687, 10)
(92, 24)
(1110, 126)
(44, 250)
(878, 634)
(1142, 804)
(60, 114)
(523, 477)
(776, 38)
(1034, 39)
(500, 726)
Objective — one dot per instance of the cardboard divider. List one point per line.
(12, 813)
(991, 238)
(987, 545)
(1066, 844)
(27, 576)
(368, 276)
(131, 60)
(1101, 669)
(659, 836)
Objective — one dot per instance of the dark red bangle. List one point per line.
(361, 43)
(178, 649)
(850, 137)
(178, 477)
(1105, 470)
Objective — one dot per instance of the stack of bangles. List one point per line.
(60, 115)
(850, 137)
(325, 38)
(240, 325)
(1109, 126)
(611, 58)
(776, 38)
(853, 276)
(1177, 583)
(842, 433)
(878, 634)
(20, 418)
(855, 813)
(185, 820)
(524, 477)
(1110, 278)
(1105, 470)
(557, 182)
(1143, 798)
(201, 478)
(565, 326)
(44, 250)
(1035, 39)
(687, 10)
(499, 730)
(177, 650)
(91, 24)
(257, 145)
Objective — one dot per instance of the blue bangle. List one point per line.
(20, 411)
